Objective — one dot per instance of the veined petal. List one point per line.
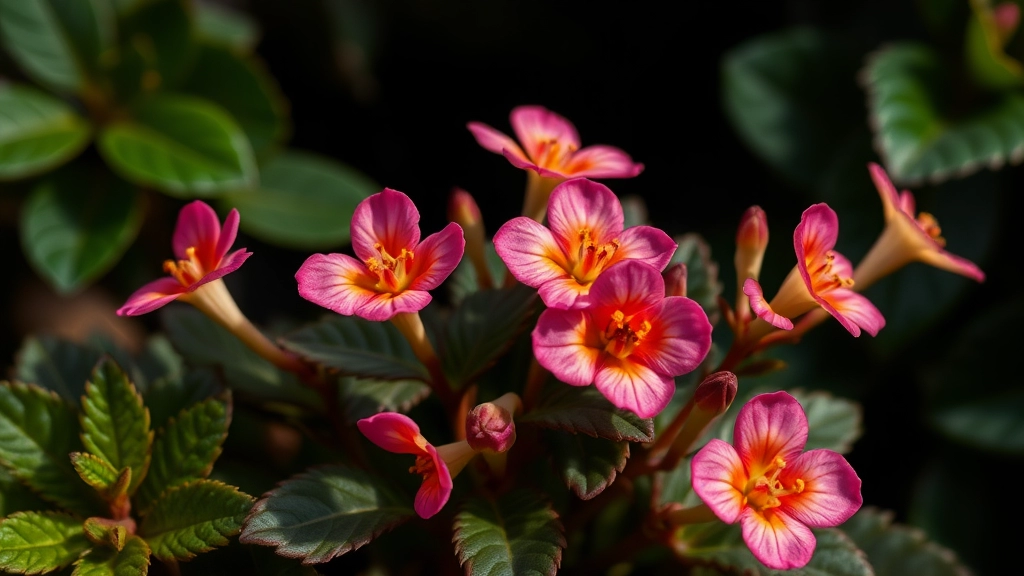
(890, 198)
(524, 163)
(388, 217)
(582, 205)
(530, 252)
(495, 141)
(761, 308)
(151, 296)
(535, 125)
(601, 161)
(679, 339)
(227, 234)
(437, 256)
(228, 264)
(560, 343)
(436, 488)
(645, 244)
(778, 541)
(394, 432)
(854, 311)
(564, 293)
(718, 478)
(381, 307)
(815, 234)
(769, 426)
(198, 227)
(335, 281)
(629, 286)
(831, 493)
(633, 386)
(952, 263)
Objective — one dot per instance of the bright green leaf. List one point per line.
(896, 550)
(38, 542)
(583, 410)
(324, 513)
(587, 465)
(132, 560)
(463, 280)
(194, 518)
(16, 497)
(702, 284)
(361, 398)
(304, 201)
(184, 146)
(95, 471)
(517, 534)
(75, 226)
(37, 132)
(220, 24)
(56, 364)
(106, 532)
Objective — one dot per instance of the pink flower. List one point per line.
(201, 247)
(629, 343)
(822, 277)
(394, 269)
(585, 237)
(551, 147)
(776, 492)
(399, 434)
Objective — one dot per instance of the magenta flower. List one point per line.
(585, 237)
(630, 342)
(776, 492)
(394, 269)
(201, 247)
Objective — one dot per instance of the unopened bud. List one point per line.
(462, 210)
(753, 230)
(490, 426)
(675, 280)
(711, 399)
(1006, 17)
(751, 241)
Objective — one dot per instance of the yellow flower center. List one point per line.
(392, 272)
(930, 226)
(424, 465)
(591, 257)
(187, 272)
(554, 155)
(621, 339)
(823, 278)
(764, 492)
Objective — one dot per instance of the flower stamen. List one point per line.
(620, 338)
(392, 272)
(766, 491)
(592, 258)
(186, 272)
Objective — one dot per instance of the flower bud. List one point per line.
(462, 210)
(1006, 17)
(711, 399)
(490, 426)
(751, 241)
(675, 280)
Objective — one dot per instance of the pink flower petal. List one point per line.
(629, 286)
(564, 293)
(719, 478)
(151, 296)
(336, 282)
(646, 244)
(841, 265)
(495, 141)
(853, 311)
(907, 204)
(634, 387)
(228, 264)
(530, 252)
(381, 307)
(890, 198)
(436, 488)
(679, 340)
(953, 263)
(578, 205)
(227, 234)
(389, 218)
(778, 541)
(394, 432)
(197, 227)
(436, 257)
(831, 493)
(761, 308)
(769, 426)
(523, 163)
(603, 162)
(560, 343)
(535, 126)
(816, 234)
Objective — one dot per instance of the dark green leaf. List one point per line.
(587, 465)
(463, 280)
(132, 560)
(168, 397)
(833, 423)
(16, 497)
(702, 284)
(75, 226)
(361, 398)
(159, 362)
(220, 24)
(37, 132)
(303, 201)
(895, 550)
(324, 513)
(194, 518)
(56, 364)
(37, 542)
(583, 410)
(159, 33)
(184, 146)
(516, 534)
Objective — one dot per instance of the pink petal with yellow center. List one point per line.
(761, 308)
(336, 282)
(582, 205)
(769, 426)
(679, 340)
(495, 141)
(646, 244)
(815, 235)
(530, 252)
(389, 218)
(953, 263)
(151, 296)
(228, 264)
(381, 307)
(227, 234)
(565, 293)
(629, 286)
(632, 386)
(719, 478)
(394, 432)
(562, 343)
(831, 493)
(436, 488)
(890, 197)
(601, 161)
(536, 126)
(523, 163)
(778, 541)
(436, 257)
(198, 227)
(853, 311)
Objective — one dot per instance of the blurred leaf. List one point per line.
(833, 423)
(702, 284)
(220, 24)
(634, 212)
(75, 225)
(587, 465)
(16, 497)
(36, 542)
(516, 534)
(194, 518)
(167, 397)
(722, 545)
(984, 44)
(915, 133)
(37, 132)
(363, 398)
(56, 364)
(247, 91)
(158, 33)
(463, 280)
(583, 410)
(323, 513)
(303, 201)
(184, 146)
(896, 550)
(159, 362)
(132, 560)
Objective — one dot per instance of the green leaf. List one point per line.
(37, 132)
(895, 550)
(986, 58)
(182, 145)
(186, 449)
(361, 398)
(516, 534)
(16, 497)
(833, 423)
(219, 24)
(463, 280)
(132, 560)
(583, 410)
(702, 284)
(159, 33)
(106, 532)
(247, 91)
(915, 132)
(323, 513)
(587, 465)
(37, 432)
(168, 397)
(75, 225)
(55, 364)
(194, 518)
(482, 328)
(159, 362)
(357, 347)
(304, 201)
(115, 424)
(37, 542)
(96, 472)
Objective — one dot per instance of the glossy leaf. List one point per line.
(96, 472)
(702, 284)
(583, 410)
(303, 201)
(37, 132)
(56, 364)
(75, 225)
(194, 518)
(895, 550)
(519, 533)
(360, 398)
(587, 465)
(220, 24)
(38, 542)
(185, 146)
(463, 280)
(132, 560)
(325, 512)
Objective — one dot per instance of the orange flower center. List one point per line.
(591, 257)
(621, 339)
(765, 491)
(187, 272)
(392, 272)
(930, 226)
(553, 154)
(424, 466)
(823, 277)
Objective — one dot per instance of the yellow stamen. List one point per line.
(766, 492)
(930, 225)
(620, 338)
(392, 272)
(186, 272)
(591, 257)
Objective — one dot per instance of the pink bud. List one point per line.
(753, 230)
(751, 241)
(490, 427)
(462, 209)
(715, 394)
(1007, 18)
(675, 280)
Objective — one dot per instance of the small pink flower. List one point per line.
(551, 147)
(201, 247)
(394, 269)
(585, 237)
(775, 491)
(630, 343)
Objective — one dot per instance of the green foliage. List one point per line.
(324, 513)
(38, 542)
(16, 497)
(895, 550)
(702, 284)
(167, 397)
(105, 532)
(160, 33)
(583, 410)
(194, 518)
(361, 398)
(37, 132)
(515, 534)
(221, 25)
(99, 474)
(587, 465)
(464, 281)
(722, 545)
(56, 364)
(132, 560)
